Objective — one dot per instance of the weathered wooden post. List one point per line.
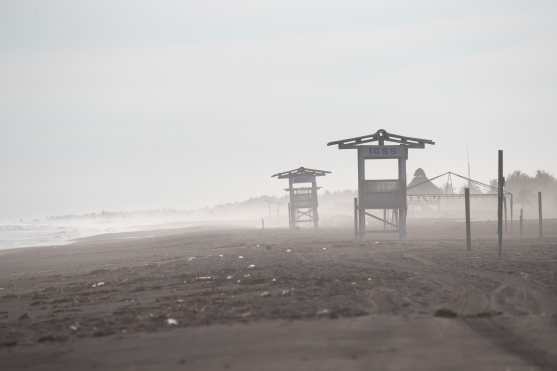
(467, 212)
(292, 206)
(512, 211)
(289, 216)
(403, 210)
(540, 215)
(356, 234)
(500, 184)
(505, 211)
(361, 191)
(521, 222)
(314, 212)
(263, 223)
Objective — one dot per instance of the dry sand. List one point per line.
(275, 300)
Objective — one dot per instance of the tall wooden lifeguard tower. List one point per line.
(385, 194)
(303, 200)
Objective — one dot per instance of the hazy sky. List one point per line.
(130, 104)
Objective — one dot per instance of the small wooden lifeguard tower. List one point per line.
(302, 207)
(385, 194)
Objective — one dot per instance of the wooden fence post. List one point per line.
(521, 222)
(356, 233)
(505, 212)
(500, 203)
(512, 212)
(467, 211)
(540, 215)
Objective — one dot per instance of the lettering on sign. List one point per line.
(384, 152)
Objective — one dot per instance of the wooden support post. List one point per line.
(384, 219)
(505, 212)
(403, 195)
(356, 234)
(263, 223)
(540, 215)
(361, 192)
(315, 213)
(289, 216)
(521, 222)
(512, 211)
(500, 185)
(467, 212)
(292, 204)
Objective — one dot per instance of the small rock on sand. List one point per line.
(445, 313)
(171, 322)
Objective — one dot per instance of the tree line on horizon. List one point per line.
(525, 188)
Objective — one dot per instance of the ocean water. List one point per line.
(50, 232)
(15, 235)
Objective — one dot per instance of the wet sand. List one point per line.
(197, 299)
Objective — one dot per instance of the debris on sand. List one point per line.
(445, 313)
(265, 293)
(369, 278)
(98, 284)
(74, 327)
(8, 343)
(204, 278)
(51, 338)
(247, 275)
(246, 314)
(221, 256)
(229, 277)
(191, 258)
(240, 257)
(288, 250)
(324, 248)
(24, 316)
(251, 266)
(171, 322)
(274, 280)
(485, 314)
(353, 283)
(323, 312)
(286, 292)
(180, 301)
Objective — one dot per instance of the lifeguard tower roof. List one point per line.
(381, 136)
(300, 172)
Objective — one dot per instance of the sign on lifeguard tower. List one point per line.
(384, 194)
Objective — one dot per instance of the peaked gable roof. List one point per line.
(381, 136)
(300, 171)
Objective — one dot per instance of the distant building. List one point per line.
(420, 185)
